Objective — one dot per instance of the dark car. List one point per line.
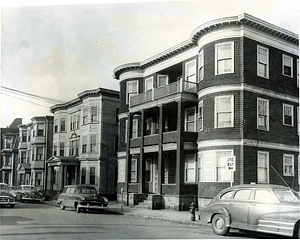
(6, 198)
(255, 207)
(81, 197)
(27, 193)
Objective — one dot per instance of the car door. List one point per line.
(239, 208)
(264, 202)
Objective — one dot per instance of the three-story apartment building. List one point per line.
(85, 142)
(230, 91)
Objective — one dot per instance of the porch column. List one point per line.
(76, 174)
(160, 148)
(128, 163)
(179, 151)
(65, 175)
(61, 180)
(142, 162)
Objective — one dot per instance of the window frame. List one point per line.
(151, 80)
(93, 143)
(283, 65)
(260, 127)
(158, 78)
(133, 172)
(94, 114)
(266, 168)
(231, 111)
(135, 128)
(283, 114)
(200, 116)
(201, 65)
(130, 93)
(63, 124)
(266, 64)
(187, 168)
(186, 67)
(186, 119)
(217, 59)
(292, 174)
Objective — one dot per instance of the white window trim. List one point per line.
(137, 127)
(201, 66)
(126, 131)
(267, 120)
(136, 169)
(200, 105)
(185, 118)
(121, 174)
(267, 63)
(185, 167)
(152, 85)
(283, 56)
(216, 58)
(160, 75)
(232, 111)
(127, 87)
(186, 67)
(268, 175)
(292, 110)
(293, 165)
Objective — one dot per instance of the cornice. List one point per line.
(199, 32)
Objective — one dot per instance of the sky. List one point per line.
(60, 50)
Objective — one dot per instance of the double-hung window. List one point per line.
(162, 80)
(126, 131)
(288, 165)
(190, 71)
(135, 123)
(94, 115)
(40, 129)
(262, 114)
(62, 149)
(190, 120)
(262, 167)
(288, 115)
(39, 153)
(200, 116)
(287, 66)
(262, 62)
(131, 90)
(84, 144)
(133, 170)
(62, 124)
(190, 168)
(224, 58)
(55, 125)
(201, 65)
(83, 175)
(93, 144)
(85, 116)
(224, 114)
(92, 175)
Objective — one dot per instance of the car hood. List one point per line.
(7, 194)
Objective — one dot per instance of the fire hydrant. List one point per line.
(193, 209)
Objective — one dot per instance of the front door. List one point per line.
(155, 176)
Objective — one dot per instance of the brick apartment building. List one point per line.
(85, 138)
(34, 148)
(231, 89)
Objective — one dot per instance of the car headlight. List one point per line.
(105, 199)
(82, 198)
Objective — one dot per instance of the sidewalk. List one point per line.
(181, 217)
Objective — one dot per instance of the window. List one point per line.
(55, 125)
(224, 58)
(54, 150)
(224, 111)
(132, 90)
(148, 172)
(126, 131)
(74, 122)
(287, 66)
(201, 65)
(262, 62)
(38, 179)
(40, 129)
(84, 144)
(162, 80)
(226, 195)
(62, 149)
(39, 153)
(190, 168)
(288, 115)
(133, 170)
(222, 174)
(8, 143)
(23, 157)
(262, 114)
(73, 147)
(288, 165)
(262, 167)
(264, 196)
(62, 124)
(83, 175)
(135, 128)
(24, 136)
(200, 116)
(148, 84)
(190, 71)
(121, 170)
(92, 175)
(85, 116)
(190, 120)
(93, 144)
(149, 126)
(243, 194)
(94, 114)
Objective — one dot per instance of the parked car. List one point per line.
(27, 193)
(6, 198)
(255, 207)
(12, 190)
(81, 197)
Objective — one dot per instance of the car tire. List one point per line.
(12, 205)
(78, 209)
(219, 225)
(62, 206)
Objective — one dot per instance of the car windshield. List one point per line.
(3, 187)
(287, 195)
(29, 188)
(86, 190)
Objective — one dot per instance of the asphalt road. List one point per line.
(42, 221)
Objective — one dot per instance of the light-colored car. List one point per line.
(27, 193)
(254, 207)
(6, 198)
(81, 197)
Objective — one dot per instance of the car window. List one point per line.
(226, 195)
(286, 195)
(263, 195)
(68, 190)
(64, 190)
(72, 190)
(243, 194)
(78, 190)
(3, 187)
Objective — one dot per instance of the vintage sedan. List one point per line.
(254, 207)
(6, 198)
(27, 193)
(81, 197)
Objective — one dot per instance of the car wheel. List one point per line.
(78, 209)
(62, 206)
(219, 225)
(12, 205)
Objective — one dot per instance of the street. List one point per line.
(43, 221)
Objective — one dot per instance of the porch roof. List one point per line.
(58, 161)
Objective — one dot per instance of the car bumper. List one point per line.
(30, 199)
(88, 206)
(7, 202)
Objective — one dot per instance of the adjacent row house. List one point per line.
(231, 91)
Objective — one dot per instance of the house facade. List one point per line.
(9, 152)
(85, 142)
(228, 93)
(34, 148)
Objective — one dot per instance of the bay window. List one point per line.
(190, 168)
(131, 90)
(224, 58)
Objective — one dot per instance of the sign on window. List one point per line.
(230, 163)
